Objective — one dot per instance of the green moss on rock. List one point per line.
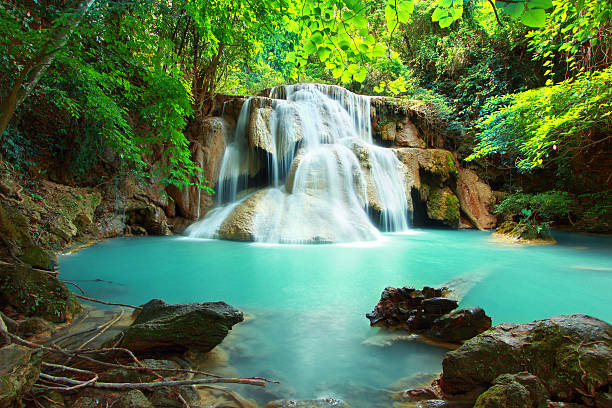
(19, 369)
(36, 293)
(443, 205)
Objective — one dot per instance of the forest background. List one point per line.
(523, 88)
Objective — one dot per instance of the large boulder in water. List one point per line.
(19, 369)
(442, 205)
(571, 356)
(475, 197)
(429, 313)
(161, 327)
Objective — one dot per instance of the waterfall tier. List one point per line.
(309, 149)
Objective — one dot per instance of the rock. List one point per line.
(123, 375)
(438, 403)
(19, 369)
(133, 399)
(166, 397)
(15, 231)
(36, 293)
(161, 327)
(475, 198)
(259, 133)
(315, 403)
(426, 312)
(419, 395)
(460, 325)
(240, 225)
(432, 175)
(86, 402)
(567, 354)
(522, 390)
(443, 205)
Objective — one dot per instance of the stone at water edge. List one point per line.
(19, 369)
(571, 356)
(36, 293)
(161, 327)
(513, 391)
(429, 313)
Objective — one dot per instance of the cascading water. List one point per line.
(313, 143)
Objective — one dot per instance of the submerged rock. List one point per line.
(315, 403)
(429, 313)
(19, 369)
(570, 355)
(161, 327)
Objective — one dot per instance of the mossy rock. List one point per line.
(522, 390)
(19, 369)
(15, 229)
(571, 355)
(443, 205)
(36, 293)
(164, 328)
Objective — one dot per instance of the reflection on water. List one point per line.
(308, 303)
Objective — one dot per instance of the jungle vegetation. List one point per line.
(525, 85)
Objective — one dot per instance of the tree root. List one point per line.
(107, 303)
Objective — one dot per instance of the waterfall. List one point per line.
(311, 145)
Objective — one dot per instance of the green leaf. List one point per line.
(534, 18)
(346, 76)
(446, 21)
(338, 71)
(439, 13)
(445, 3)
(390, 17)
(404, 10)
(539, 4)
(317, 37)
(310, 47)
(290, 57)
(514, 10)
(361, 75)
(360, 21)
(324, 53)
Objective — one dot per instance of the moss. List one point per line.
(36, 293)
(451, 164)
(443, 205)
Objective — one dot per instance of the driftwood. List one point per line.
(107, 303)
(67, 384)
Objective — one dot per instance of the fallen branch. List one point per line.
(147, 385)
(73, 284)
(104, 328)
(107, 303)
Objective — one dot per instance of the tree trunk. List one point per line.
(29, 77)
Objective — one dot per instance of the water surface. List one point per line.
(309, 329)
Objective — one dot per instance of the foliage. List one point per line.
(550, 124)
(531, 215)
(575, 39)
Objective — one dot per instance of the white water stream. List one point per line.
(314, 143)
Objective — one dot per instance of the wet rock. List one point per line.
(15, 231)
(426, 312)
(521, 390)
(475, 198)
(36, 293)
(419, 395)
(438, 403)
(19, 369)
(443, 206)
(124, 375)
(460, 325)
(315, 403)
(240, 225)
(161, 327)
(133, 399)
(566, 353)
(167, 397)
